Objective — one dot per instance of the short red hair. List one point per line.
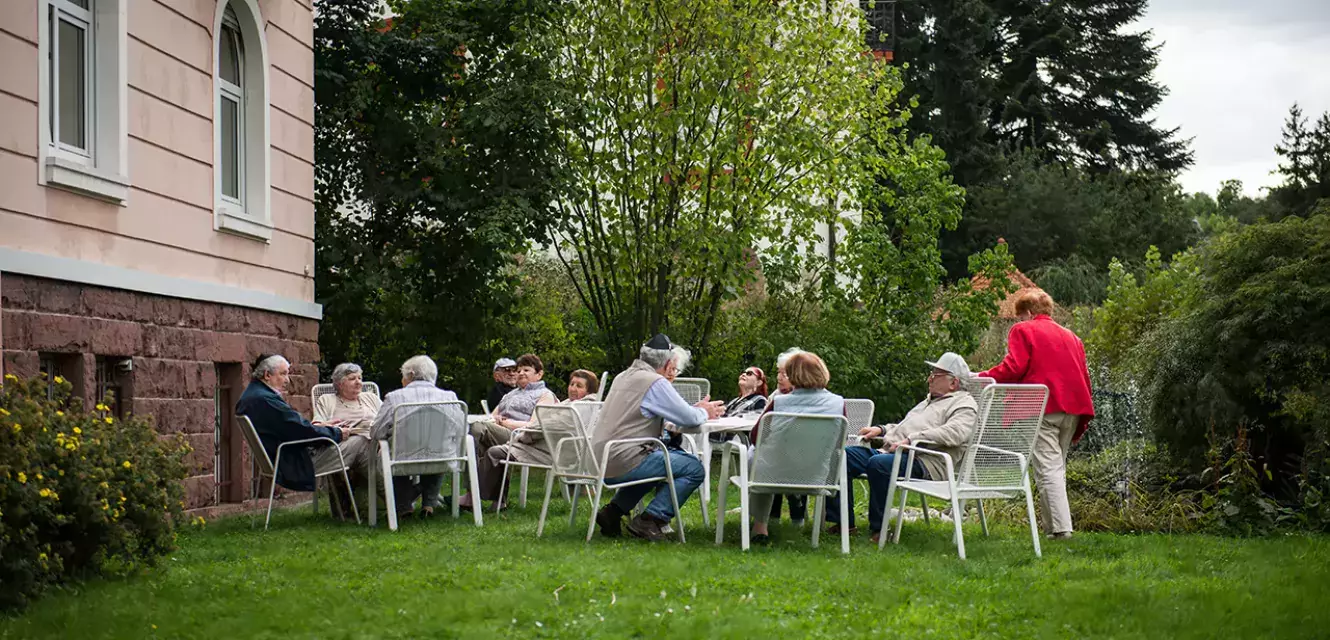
(1034, 301)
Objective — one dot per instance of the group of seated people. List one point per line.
(643, 402)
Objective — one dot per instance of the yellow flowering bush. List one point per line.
(81, 494)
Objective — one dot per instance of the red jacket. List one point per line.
(1041, 351)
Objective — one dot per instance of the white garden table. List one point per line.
(733, 425)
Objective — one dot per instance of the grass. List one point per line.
(312, 578)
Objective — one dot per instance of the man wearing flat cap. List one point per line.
(505, 380)
(642, 401)
(945, 419)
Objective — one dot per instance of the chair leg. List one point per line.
(477, 511)
(1034, 528)
(819, 508)
(526, 476)
(956, 518)
(845, 511)
(888, 524)
(743, 504)
(272, 490)
(389, 495)
(373, 496)
(595, 502)
(983, 518)
(705, 499)
(351, 496)
(923, 504)
(674, 501)
(572, 512)
(545, 506)
(900, 520)
(315, 500)
(457, 496)
(721, 491)
(503, 488)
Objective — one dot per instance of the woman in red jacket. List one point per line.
(1040, 351)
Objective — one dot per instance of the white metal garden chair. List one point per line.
(859, 412)
(266, 467)
(702, 383)
(576, 463)
(588, 410)
(996, 462)
(325, 388)
(604, 386)
(427, 438)
(974, 385)
(795, 454)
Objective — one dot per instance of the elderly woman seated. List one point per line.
(529, 447)
(808, 377)
(350, 406)
(513, 412)
(583, 385)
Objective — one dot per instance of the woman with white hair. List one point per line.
(350, 406)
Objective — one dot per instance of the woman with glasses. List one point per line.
(752, 393)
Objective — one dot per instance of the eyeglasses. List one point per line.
(936, 374)
(750, 373)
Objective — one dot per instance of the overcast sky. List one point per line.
(1233, 68)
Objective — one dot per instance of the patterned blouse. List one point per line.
(752, 402)
(519, 404)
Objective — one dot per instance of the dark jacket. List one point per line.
(276, 422)
(497, 392)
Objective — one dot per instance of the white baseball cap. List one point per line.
(952, 363)
(504, 363)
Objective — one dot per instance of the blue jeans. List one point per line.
(688, 476)
(862, 461)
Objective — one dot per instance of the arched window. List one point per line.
(241, 124)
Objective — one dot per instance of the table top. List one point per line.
(722, 424)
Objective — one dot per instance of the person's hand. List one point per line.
(894, 445)
(713, 409)
(870, 432)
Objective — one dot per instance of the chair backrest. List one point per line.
(691, 392)
(976, 385)
(1009, 419)
(604, 385)
(798, 451)
(325, 388)
(568, 438)
(702, 383)
(428, 437)
(589, 411)
(859, 411)
(256, 449)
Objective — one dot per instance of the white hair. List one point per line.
(785, 357)
(420, 368)
(345, 369)
(269, 365)
(682, 357)
(655, 358)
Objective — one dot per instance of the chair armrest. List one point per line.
(306, 441)
(915, 448)
(1019, 456)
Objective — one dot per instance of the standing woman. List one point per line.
(1041, 351)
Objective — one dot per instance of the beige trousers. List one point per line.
(1050, 470)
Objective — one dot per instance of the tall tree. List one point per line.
(432, 131)
(704, 131)
(1305, 149)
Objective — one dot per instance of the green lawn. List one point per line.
(309, 578)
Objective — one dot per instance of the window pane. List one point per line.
(83, 4)
(230, 148)
(72, 84)
(230, 56)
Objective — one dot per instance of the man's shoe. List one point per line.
(1061, 535)
(610, 520)
(646, 527)
(761, 540)
(834, 530)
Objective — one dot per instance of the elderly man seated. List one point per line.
(418, 376)
(277, 422)
(945, 420)
(643, 400)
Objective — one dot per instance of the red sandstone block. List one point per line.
(60, 333)
(54, 296)
(201, 458)
(17, 292)
(307, 330)
(23, 364)
(113, 304)
(115, 337)
(199, 315)
(176, 343)
(16, 328)
(213, 346)
(261, 323)
(199, 491)
(231, 320)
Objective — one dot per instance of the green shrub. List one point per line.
(81, 492)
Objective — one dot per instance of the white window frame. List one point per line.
(249, 215)
(101, 169)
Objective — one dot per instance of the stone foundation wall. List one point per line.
(174, 344)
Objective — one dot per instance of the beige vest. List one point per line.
(621, 417)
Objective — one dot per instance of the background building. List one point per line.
(157, 207)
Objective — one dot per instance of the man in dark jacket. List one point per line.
(505, 380)
(276, 422)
